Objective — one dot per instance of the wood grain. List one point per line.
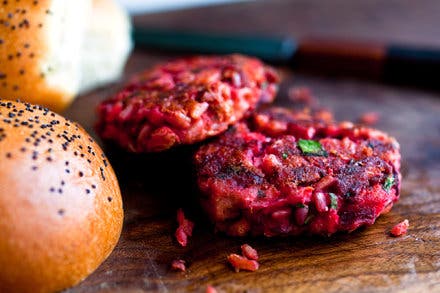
(368, 260)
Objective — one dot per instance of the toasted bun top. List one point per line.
(60, 203)
(51, 50)
(39, 45)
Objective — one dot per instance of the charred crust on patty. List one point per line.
(350, 187)
(185, 101)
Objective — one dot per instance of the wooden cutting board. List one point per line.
(153, 187)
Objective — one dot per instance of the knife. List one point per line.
(397, 63)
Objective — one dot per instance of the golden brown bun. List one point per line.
(51, 50)
(31, 68)
(60, 204)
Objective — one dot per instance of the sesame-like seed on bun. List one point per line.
(50, 51)
(60, 202)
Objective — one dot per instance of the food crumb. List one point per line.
(302, 95)
(178, 265)
(249, 252)
(242, 263)
(185, 228)
(369, 118)
(210, 289)
(400, 229)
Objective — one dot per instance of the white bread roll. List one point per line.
(106, 46)
(60, 203)
(50, 50)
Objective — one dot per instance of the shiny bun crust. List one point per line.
(31, 68)
(51, 50)
(60, 204)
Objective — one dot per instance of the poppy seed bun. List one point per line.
(60, 204)
(50, 50)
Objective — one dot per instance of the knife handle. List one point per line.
(392, 63)
(333, 56)
(271, 49)
(414, 65)
(402, 64)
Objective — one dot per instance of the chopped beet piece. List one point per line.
(400, 229)
(249, 252)
(242, 263)
(178, 265)
(210, 289)
(184, 229)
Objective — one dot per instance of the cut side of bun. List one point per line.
(60, 202)
(52, 50)
(106, 46)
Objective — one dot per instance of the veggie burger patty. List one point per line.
(287, 173)
(185, 101)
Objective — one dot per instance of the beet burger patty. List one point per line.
(185, 101)
(287, 173)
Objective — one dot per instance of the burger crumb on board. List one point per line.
(400, 229)
(178, 265)
(210, 289)
(249, 252)
(184, 229)
(239, 262)
(247, 261)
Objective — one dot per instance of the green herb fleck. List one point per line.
(333, 201)
(300, 205)
(389, 182)
(284, 156)
(311, 147)
(308, 219)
